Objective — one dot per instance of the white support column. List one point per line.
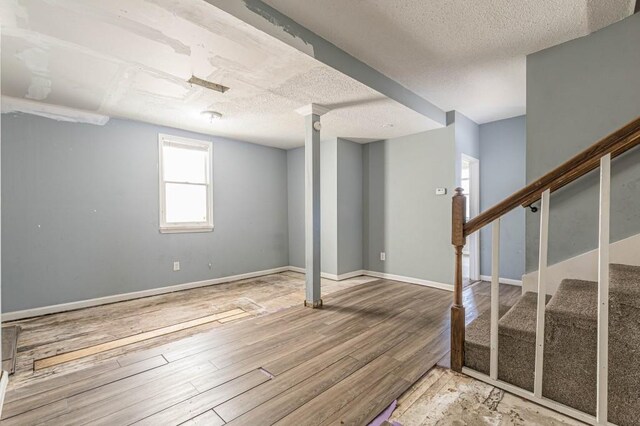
(312, 113)
(495, 298)
(603, 291)
(542, 291)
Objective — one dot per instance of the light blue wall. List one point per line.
(80, 212)
(329, 206)
(467, 141)
(402, 215)
(340, 205)
(577, 93)
(349, 205)
(295, 189)
(502, 172)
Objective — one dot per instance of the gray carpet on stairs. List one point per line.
(624, 345)
(477, 341)
(570, 355)
(517, 342)
(569, 373)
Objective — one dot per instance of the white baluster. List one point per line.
(542, 292)
(603, 291)
(495, 297)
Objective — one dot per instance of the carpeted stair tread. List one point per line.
(624, 344)
(478, 332)
(624, 285)
(575, 303)
(517, 342)
(571, 322)
(520, 321)
(477, 341)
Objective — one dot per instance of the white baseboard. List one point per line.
(63, 307)
(34, 312)
(329, 276)
(297, 269)
(4, 382)
(585, 266)
(502, 280)
(410, 280)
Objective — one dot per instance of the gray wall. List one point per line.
(295, 200)
(502, 172)
(349, 205)
(341, 206)
(80, 212)
(402, 214)
(467, 141)
(328, 206)
(578, 92)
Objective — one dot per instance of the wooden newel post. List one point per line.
(458, 215)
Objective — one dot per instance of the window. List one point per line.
(186, 195)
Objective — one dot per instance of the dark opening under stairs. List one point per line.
(570, 344)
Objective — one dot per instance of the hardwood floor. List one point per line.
(341, 364)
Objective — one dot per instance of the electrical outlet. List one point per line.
(383, 255)
(176, 266)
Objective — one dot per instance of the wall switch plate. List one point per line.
(441, 191)
(176, 266)
(383, 255)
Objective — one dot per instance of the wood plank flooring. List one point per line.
(342, 364)
(10, 336)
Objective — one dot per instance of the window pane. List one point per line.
(186, 203)
(184, 164)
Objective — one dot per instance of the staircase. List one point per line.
(577, 352)
(570, 344)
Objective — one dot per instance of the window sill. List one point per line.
(185, 229)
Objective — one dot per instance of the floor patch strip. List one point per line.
(51, 361)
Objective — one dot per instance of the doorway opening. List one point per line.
(470, 183)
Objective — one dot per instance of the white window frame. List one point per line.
(168, 228)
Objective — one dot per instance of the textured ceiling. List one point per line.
(459, 54)
(131, 59)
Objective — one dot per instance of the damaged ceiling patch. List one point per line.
(37, 61)
(207, 84)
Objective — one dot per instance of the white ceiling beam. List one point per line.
(54, 112)
(314, 109)
(270, 21)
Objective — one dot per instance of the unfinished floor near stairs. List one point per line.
(269, 361)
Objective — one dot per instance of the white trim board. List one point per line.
(4, 382)
(502, 280)
(410, 280)
(384, 275)
(329, 276)
(45, 310)
(585, 266)
(71, 306)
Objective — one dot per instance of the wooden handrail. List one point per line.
(616, 143)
